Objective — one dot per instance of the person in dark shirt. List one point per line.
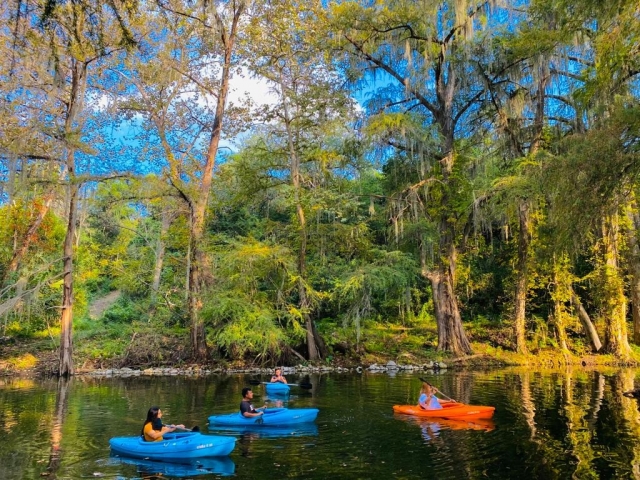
(246, 407)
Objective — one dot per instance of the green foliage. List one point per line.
(386, 274)
(467, 119)
(123, 311)
(246, 329)
(592, 175)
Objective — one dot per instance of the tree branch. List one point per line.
(402, 80)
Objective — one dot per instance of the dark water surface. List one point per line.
(547, 425)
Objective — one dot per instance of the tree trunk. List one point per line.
(614, 301)
(538, 124)
(66, 320)
(523, 215)
(187, 285)
(76, 99)
(587, 324)
(313, 338)
(160, 249)
(451, 335)
(199, 278)
(558, 312)
(197, 284)
(522, 285)
(11, 181)
(313, 348)
(634, 262)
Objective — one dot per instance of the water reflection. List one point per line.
(558, 424)
(56, 428)
(152, 470)
(431, 427)
(268, 431)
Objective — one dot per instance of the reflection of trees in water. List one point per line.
(580, 425)
(552, 425)
(244, 443)
(56, 429)
(579, 416)
(629, 408)
(461, 388)
(529, 408)
(564, 424)
(570, 424)
(151, 476)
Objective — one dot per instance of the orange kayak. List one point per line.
(451, 410)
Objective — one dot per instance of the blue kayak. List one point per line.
(277, 388)
(307, 429)
(174, 447)
(272, 416)
(223, 466)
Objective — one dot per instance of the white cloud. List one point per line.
(258, 89)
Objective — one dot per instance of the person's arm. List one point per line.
(261, 409)
(157, 434)
(282, 379)
(440, 400)
(181, 427)
(167, 429)
(249, 412)
(256, 413)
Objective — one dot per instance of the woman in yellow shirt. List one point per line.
(153, 429)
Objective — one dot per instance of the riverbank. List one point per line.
(168, 355)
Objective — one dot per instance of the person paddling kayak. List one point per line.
(428, 399)
(278, 377)
(153, 429)
(246, 407)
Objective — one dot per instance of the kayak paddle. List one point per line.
(194, 429)
(307, 386)
(441, 393)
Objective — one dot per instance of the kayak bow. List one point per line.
(277, 388)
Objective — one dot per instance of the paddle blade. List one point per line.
(195, 429)
(254, 382)
(306, 386)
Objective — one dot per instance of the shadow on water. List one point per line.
(268, 431)
(222, 466)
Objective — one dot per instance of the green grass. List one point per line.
(139, 343)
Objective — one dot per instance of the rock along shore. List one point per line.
(390, 366)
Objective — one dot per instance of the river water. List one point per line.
(547, 425)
